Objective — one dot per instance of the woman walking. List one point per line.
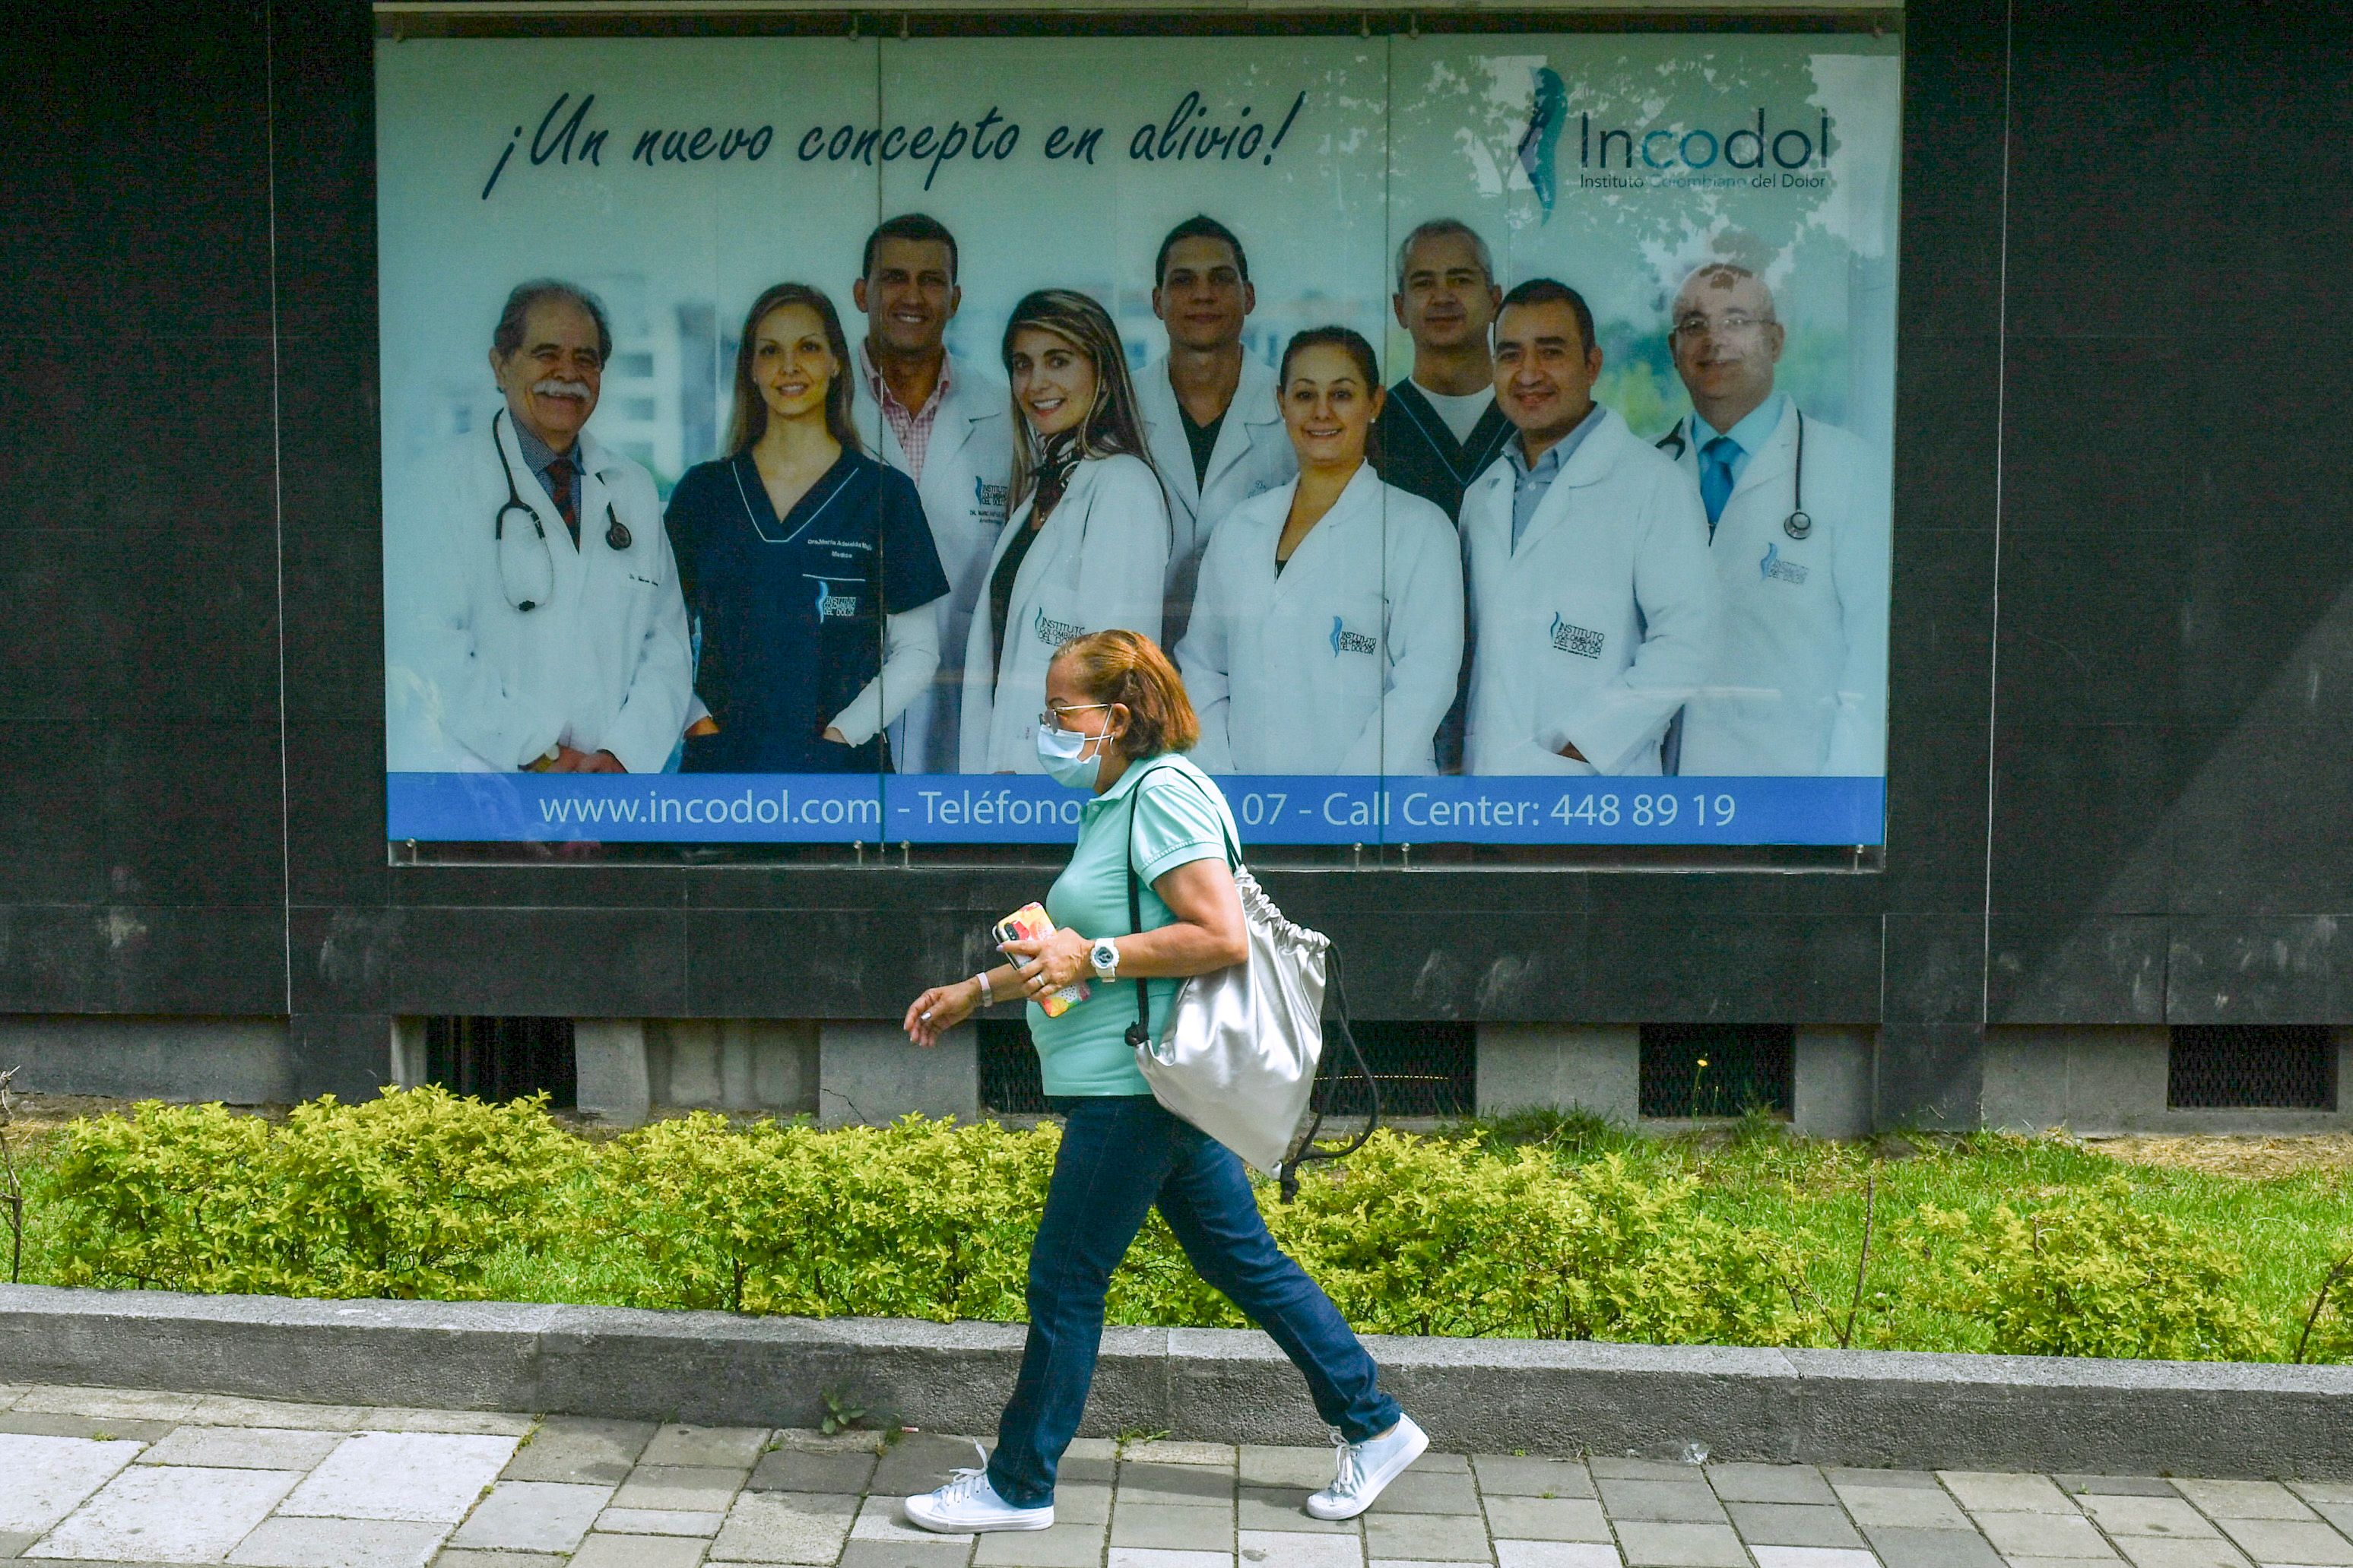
(1117, 723)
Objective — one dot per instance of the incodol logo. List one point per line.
(834, 604)
(1761, 154)
(1752, 148)
(1345, 641)
(1054, 634)
(1580, 640)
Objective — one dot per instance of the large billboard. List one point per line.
(1494, 428)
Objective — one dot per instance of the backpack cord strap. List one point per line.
(1139, 1034)
(1305, 1149)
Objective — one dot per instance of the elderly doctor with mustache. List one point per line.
(546, 629)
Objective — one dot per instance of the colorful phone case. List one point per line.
(1028, 923)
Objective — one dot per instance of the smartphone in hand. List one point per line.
(1029, 923)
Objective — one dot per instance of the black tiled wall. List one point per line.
(142, 855)
(2122, 633)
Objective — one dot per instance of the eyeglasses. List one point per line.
(1732, 324)
(1052, 720)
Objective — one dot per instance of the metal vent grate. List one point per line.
(2251, 1067)
(503, 1059)
(1747, 1066)
(1424, 1069)
(1009, 1084)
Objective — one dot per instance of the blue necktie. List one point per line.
(1715, 477)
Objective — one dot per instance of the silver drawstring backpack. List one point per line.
(1238, 1053)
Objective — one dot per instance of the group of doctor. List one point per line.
(1710, 604)
(1477, 569)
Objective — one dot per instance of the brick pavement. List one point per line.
(103, 1477)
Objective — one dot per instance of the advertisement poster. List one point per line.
(760, 414)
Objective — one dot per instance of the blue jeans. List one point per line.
(1121, 1154)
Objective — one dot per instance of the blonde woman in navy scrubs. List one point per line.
(807, 565)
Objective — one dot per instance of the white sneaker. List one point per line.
(968, 1503)
(1367, 1467)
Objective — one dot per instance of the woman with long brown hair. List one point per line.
(806, 565)
(1086, 547)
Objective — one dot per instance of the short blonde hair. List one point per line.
(1123, 667)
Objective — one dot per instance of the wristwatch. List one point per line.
(1105, 956)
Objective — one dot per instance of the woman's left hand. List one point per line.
(1049, 963)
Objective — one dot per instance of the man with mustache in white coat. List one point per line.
(941, 419)
(1592, 597)
(539, 623)
(1797, 526)
(1208, 407)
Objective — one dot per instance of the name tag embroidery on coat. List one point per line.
(1575, 639)
(1773, 569)
(1054, 634)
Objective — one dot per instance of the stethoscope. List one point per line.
(1799, 524)
(616, 533)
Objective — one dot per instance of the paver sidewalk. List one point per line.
(105, 1476)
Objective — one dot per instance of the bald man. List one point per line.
(1798, 528)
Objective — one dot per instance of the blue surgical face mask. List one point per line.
(1063, 753)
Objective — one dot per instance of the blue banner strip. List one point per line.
(948, 808)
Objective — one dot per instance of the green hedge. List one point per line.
(408, 1195)
(421, 1194)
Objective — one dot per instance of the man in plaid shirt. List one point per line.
(945, 423)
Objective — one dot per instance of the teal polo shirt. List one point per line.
(1085, 1051)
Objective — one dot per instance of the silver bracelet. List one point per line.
(987, 997)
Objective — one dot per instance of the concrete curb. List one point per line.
(1831, 1408)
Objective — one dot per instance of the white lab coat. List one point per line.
(1600, 625)
(1097, 563)
(1252, 455)
(1346, 661)
(603, 664)
(1799, 681)
(965, 469)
